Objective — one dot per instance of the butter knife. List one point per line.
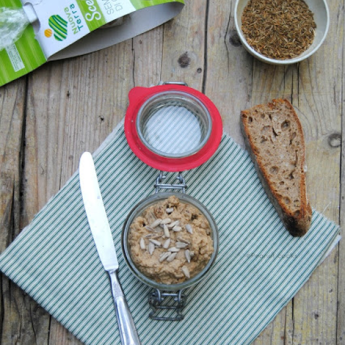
(102, 236)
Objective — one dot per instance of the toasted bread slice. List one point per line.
(274, 137)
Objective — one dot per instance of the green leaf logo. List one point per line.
(59, 26)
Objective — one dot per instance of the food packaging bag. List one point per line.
(33, 32)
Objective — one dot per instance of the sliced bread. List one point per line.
(274, 138)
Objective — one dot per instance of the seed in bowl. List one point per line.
(278, 29)
(181, 248)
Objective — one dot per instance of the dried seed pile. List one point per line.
(278, 29)
(171, 241)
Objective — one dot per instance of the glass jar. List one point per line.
(171, 127)
(137, 211)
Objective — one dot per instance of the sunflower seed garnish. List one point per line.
(156, 223)
(169, 210)
(181, 239)
(173, 249)
(176, 228)
(185, 271)
(187, 255)
(171, 225)
(151, 248)
(166, 221)
(171, 257)
(152, 236)
(147, 227)
(181, 245)
(157, 243)
(166, 243)
(164, 256)
(166, 231)
(142, 243)
(189, 228)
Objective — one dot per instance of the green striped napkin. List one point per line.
(259, 268)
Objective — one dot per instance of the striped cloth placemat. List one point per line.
(259, 268)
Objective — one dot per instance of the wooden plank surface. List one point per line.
(50, 117)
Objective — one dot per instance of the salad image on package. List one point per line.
(34, 32)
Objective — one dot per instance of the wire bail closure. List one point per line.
(156, 300)
(182, 186)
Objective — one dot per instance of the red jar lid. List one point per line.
(172, 127)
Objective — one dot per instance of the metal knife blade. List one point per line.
(103, 239)
(96, 214)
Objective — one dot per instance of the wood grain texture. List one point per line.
(147, 58)
(340, 82)
(184, 46)
(229, 67)
(50, 117)
(21, 317)
(319, 106)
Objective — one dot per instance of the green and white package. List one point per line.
(34, 32)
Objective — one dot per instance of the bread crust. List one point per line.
(297, 220)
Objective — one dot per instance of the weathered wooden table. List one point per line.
(50, 117)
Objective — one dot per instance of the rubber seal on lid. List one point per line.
(172, 127)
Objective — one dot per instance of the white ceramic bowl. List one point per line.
(321, 18)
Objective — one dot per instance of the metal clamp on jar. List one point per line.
(171, 127)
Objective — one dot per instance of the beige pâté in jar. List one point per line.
(170, 242)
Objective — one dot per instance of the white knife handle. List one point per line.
(128, 332)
